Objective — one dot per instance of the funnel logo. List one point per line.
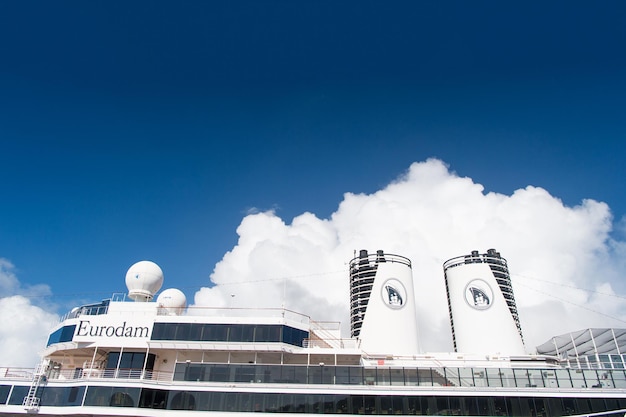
(478, 294)
(394, 294)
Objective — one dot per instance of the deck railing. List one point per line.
(348, 375)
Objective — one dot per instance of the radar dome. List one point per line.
(172, 302)
(143, 280)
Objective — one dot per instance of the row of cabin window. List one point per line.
(312, 403)
(228, 333)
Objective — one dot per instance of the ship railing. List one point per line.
(331, 343)
(524, 378)
(477, 258)
(99, 374)
(249, 312)
(17, 373)
(325, 325)
(382, 375)
(87, 310)
(324, 335)
(373, 259)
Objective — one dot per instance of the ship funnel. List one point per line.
(483, 313)
(382, 304)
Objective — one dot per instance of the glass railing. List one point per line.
(87, 310)
(439, 377)
(356, 375)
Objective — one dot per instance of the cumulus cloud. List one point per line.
(563, 261)
(25, 325)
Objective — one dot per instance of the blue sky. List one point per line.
(149, 130)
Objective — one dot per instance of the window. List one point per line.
(130, 361)
(124, 397)
(64, 334)
(183, 401)
(58, 396)
(18, 394)
(4, 393)
(153, 398)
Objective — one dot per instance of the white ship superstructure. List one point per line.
(132, 356)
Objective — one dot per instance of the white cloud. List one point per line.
(430, 215)
(24, 331)
(25, 326)
(8, 280)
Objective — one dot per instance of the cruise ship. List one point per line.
(145, 353)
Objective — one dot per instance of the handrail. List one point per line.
(537, 378)
(376, 258)
(82, 374)
(17, 373)
(479, 258)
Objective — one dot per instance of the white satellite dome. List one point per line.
(143, 280)
(172, 302)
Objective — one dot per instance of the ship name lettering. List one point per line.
(86, 329)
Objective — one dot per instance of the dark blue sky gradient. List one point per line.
(146, 130)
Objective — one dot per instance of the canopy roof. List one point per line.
(586, 342)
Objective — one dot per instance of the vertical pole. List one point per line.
(119, 360)
(93, 360)
(595, 350)
(145, 362)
